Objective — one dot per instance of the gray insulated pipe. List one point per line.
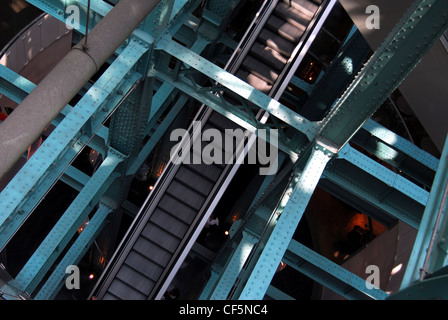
(54, 92)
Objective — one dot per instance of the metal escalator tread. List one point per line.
(292, 15)
(135, 279)
(254, 81)
(285, 29)
(211, 172)
(189, 177)
(149, 248)
(259, 69)
(177, 208)
(142, 266)
(269, 56)
(109, 296)
(155, 234)
(276, 42)
(185, 195)
(121, 290)
(153, 249)
(306, 6)
(169, 223)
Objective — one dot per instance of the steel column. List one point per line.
(231, 271)
(74, 255)
(55, 154)
(48, 251)
(402, 50)
(291, 209)
(430, 251)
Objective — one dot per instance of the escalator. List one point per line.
(186, 194)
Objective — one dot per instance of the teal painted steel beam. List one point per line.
(233, 268)
(216, 103)
(231, 82)
(210, 285)
(74, 255)
(155, 137)
(291, 209)
(368, 194)
(99, 99)
(53, 244)
(276, 294)
(16, 87)
(208, 99)
(421, 26)
(330, 274)
(430, 289)
(429, 253)
(387, 176)
(400, 144)
(388, 147)
(337, 77)
(75, 178)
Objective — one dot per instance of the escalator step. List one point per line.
(194, 180)
(160, 237)
(109, 296)
(211, 172)
(259, 69)
(306, 6)
(268, 55)
(276, 42)
(292, 15)
(150, 249)
(143, 265)
(124, 292)
(177, 208)
(254, 81)
(284, 29)
(136, 280)
(168, 223)
(185, 195)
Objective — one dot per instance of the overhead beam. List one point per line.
(236, 85)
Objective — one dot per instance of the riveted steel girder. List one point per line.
(41, 171)
(64, 81)
(75, 253)
(421, 26)
(429, 253)
(50, 248)
(290, 210)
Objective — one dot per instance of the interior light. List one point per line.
(396, 269)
